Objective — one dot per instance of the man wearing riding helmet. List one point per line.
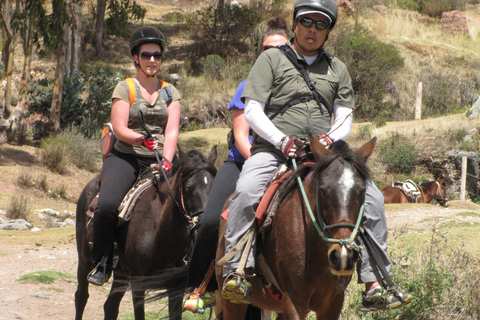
(273, 83)
(135, 148)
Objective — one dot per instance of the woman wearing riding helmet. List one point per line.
(147, 126)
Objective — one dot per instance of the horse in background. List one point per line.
(158, 236)
(309, 247)
(429, 191)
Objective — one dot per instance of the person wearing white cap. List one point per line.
(274, 83)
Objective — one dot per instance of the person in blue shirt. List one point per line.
(207, 236)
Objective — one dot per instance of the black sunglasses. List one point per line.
(157, 55)
(320, 25)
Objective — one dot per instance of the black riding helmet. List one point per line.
(327, 7)
(146, 35)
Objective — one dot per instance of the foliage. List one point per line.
(440, 93)
(119, 13)
(18, 208)
(101, 83)
(371, 64)
(54, 154)
(432, 8)
(23, 135)
(25, 180)
(364, 133)
(83, 152)
(91, 113)
(398, 157)
(220, 30)
(71, 110)
(213, 66)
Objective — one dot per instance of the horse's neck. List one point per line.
(426, 195)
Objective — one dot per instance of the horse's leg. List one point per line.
(81, 295)
(233, 311)
(138, 304)
(175, 306)
(112, 305)
(290, 312)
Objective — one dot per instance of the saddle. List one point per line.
(409, 189)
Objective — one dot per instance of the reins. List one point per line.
(435, 196)
(320, 225)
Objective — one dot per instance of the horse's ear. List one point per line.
(441, 180)
(181, 153)
(317, 148)
(213, 155)
(366, 150)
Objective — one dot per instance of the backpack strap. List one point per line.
(301, 65)
(131, 90)
(166, 92)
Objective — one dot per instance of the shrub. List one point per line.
(84, 153)
(223, 31)
(42, 183)
(23, 135)
(371, 64)
(54, 154)
(213, 67)
(440, 93)
(18, 208)
(364, 133)
(432, 8)
(398, 157)
(25, 180)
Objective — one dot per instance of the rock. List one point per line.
(474, 112)
(18, 224)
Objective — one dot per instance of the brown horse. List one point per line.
(429, 191)
(310, 246)
(157, 237)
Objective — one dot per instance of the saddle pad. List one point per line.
(128, 202)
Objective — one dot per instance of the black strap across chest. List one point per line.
(300, 65)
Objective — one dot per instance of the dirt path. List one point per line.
(56, 301)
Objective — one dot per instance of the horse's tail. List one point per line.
(171, 283)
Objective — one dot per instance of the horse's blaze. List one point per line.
(342, 261)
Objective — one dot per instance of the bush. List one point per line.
(54, 154)
(432, 8)
(84, 153)
(440, 93)
(213, 67)
(364, 133)
(398, 157)
(25, 180)
(371, 64)
(18, 208)
(223, 31)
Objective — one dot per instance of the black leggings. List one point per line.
(207, 235)
(119, 173)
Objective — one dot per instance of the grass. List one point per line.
(46, 277)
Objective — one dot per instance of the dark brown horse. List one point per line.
(157, 237)
(310, 247)
(429, 191)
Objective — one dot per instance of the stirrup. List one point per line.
(237, 288)
(197, 302)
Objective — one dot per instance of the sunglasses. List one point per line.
(320, 25)
(157, 55)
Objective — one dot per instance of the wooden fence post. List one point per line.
(463, 181)
(418, 102)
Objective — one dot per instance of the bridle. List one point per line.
(438, 196)
(322, 227)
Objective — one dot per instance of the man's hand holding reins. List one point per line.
(290, 145)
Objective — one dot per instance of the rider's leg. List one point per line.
(207, 237)
(119, 173)
(375, 297)
(254, 178)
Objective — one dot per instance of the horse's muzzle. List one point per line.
(342, 260)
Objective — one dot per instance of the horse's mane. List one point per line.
(426, 183)
(338, 149)
(196, 161)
